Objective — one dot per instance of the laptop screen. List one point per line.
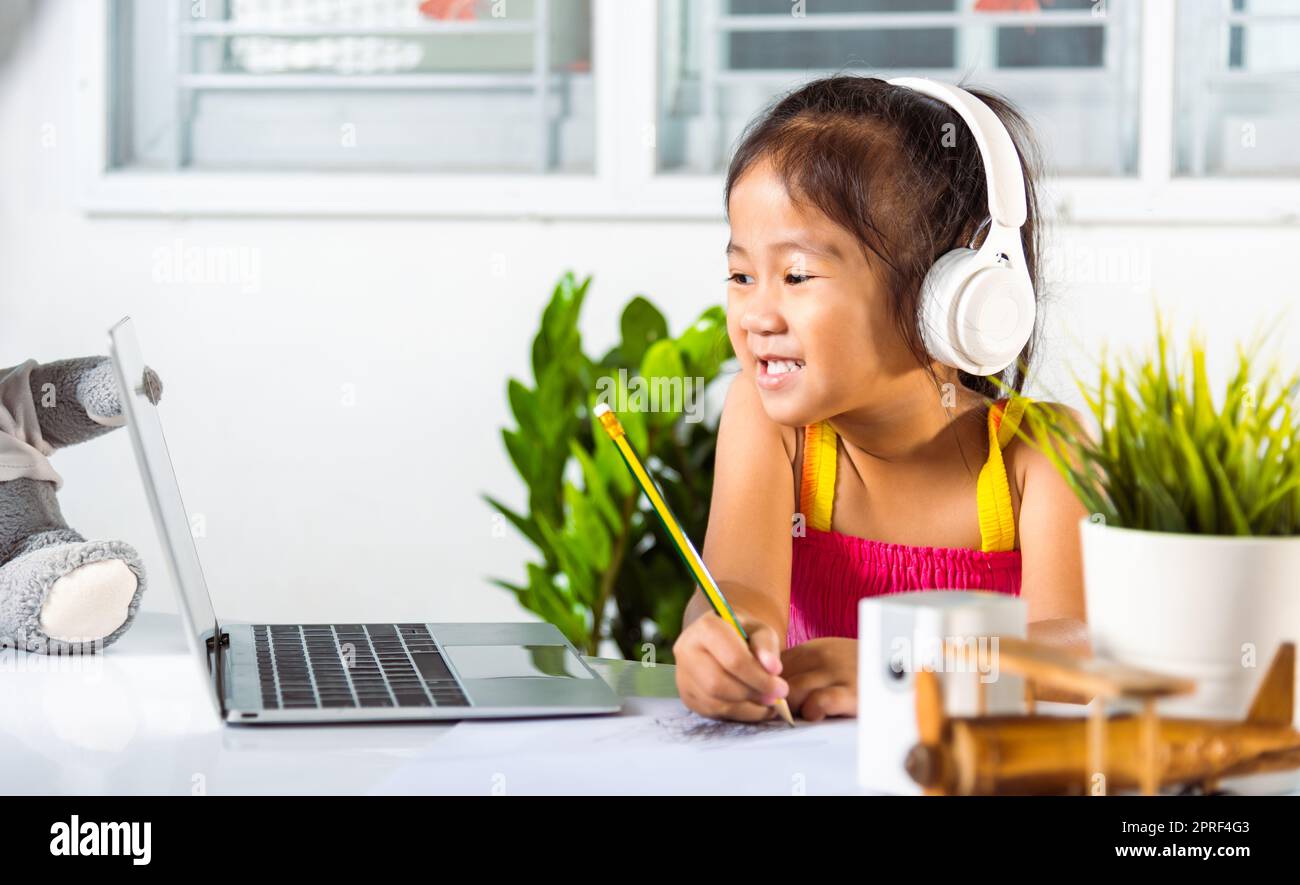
(160, 486)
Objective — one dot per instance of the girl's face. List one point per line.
(808, 318)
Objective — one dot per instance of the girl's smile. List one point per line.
(777, 372)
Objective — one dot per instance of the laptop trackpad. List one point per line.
(515, 661)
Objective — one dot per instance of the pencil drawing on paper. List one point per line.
(687, 727)
(691, 727)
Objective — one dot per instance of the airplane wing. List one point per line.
(1093, 677)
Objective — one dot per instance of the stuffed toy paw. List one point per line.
(59, 593)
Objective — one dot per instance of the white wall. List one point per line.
(316, 510)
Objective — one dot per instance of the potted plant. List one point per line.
(1191, 553)
(605, 569)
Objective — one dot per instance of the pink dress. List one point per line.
(831, 572)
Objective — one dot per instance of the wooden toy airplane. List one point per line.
(1099, 753)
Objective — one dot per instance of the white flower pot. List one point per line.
(1213, 608)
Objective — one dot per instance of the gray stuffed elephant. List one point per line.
(59, 593)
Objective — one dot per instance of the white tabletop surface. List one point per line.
(135, 720)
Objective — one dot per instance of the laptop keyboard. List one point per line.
(352, 665)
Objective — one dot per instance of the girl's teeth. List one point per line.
(782, 367)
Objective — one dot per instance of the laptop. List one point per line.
(261, 674)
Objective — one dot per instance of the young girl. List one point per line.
(840, 198)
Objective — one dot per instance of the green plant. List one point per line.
(1167, 459)
(586, 517)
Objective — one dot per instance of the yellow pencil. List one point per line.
(609, 421)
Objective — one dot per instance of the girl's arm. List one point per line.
(747, 544)
(747, 549)
(1051, 558)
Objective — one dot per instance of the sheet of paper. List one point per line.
(655, 746)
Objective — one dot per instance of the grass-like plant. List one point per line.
(1168, 458)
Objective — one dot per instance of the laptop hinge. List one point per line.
(214, 648)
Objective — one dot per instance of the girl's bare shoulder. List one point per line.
(1023, 458)
(743, 411)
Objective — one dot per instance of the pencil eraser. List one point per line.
(601, 408)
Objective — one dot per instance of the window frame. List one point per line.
(626, 183)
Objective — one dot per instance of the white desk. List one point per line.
(135, 719)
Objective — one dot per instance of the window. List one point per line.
(1071, 66)
(1238, 102)
(447, 85)
(1149, 111)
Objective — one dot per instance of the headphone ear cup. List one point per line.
(939, 292)
(974, 316)
(995, 318)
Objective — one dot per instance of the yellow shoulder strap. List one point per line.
(817, 484)
(997, 519)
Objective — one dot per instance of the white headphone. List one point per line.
(977, 307)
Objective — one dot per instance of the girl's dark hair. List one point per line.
(901, 172)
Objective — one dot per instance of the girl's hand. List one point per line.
(823, 677)
(720, 677)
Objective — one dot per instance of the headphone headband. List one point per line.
(977, 306)
(1006, 181)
